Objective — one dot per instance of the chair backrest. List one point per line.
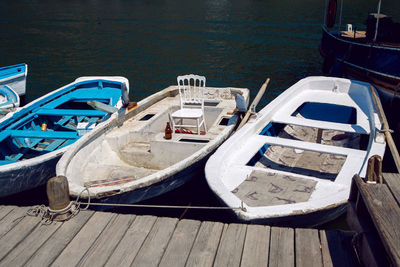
(191, 89)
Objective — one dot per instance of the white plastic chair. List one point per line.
(191, 93)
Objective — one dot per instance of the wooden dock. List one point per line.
(111, 239)
(374, 213)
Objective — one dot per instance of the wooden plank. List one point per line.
(14, 216)
(231, 245)
(5, 211)
(50, 250)
(366, 240)
(181, 243)
(256, 246)
(326, 255)
(132, 241)
(17, 234)
(337, 249)
(205, 245)
(385, 214)
(81, 243)
(103, 247)
(385, 126)
(392, 180)
(281, 247)
(25, 249)
(308, 251)
(154, 246)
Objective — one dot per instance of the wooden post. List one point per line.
(254, 104)
(58, 195)
(389, 138)
(374, 169)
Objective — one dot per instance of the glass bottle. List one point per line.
(168, 131)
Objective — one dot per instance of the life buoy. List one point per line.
(331, 13)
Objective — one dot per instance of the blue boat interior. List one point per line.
(52, 122)
(8, 94)
(327, 112)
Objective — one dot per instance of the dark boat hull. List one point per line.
(359, 59)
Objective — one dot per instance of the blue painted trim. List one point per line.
(14, 70)
(70, 112)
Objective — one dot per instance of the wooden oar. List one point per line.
(254, 104)
(386, 129)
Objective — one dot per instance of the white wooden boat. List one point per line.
(293, 163)
(128, 159)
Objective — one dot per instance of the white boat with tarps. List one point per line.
(129, 159)
(293, 164)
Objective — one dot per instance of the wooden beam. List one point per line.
(386, 129)
(254, 104)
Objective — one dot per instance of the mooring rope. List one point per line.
(48, 216)
(158, 206)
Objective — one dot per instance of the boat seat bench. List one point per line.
(260, 140)
(70, 112)
(321, 124)
(38, 134)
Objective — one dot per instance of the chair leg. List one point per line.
(198, 127)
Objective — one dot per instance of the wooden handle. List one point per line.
(386, 129)
(254, 103)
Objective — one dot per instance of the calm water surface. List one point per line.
(233, 43)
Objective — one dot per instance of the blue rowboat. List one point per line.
(33, 138)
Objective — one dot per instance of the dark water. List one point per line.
(233, 43)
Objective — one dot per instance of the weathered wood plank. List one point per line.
(12, 219)
(17, 234)
(25, 249)
(132, 241)
(154, 246)
(4, 211)
(50, 250)
(103, 247)
(385, 214)
(281, 247)
(230, 248)
(205, 245)
(77, 248)
(392, 180)
(326, 254)
(307, 244)
(256, 246)
(337, 249)
(366, 240)
(181, 243)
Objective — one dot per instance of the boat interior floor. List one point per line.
(138, 148)
(284, 180)
(269, 189)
